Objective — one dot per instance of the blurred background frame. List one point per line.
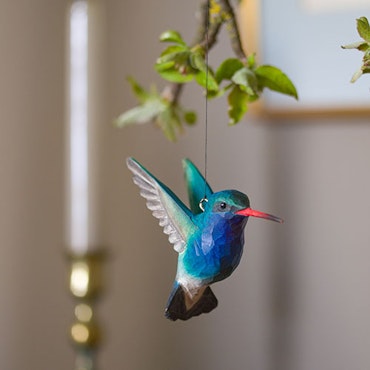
(305, 42)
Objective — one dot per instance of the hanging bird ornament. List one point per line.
(208, 237)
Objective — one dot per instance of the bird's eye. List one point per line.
(221, 207)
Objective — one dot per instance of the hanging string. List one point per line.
(206, 111)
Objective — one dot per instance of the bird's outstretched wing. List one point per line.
(196, 185)
(173, 215)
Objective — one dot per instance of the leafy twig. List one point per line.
(179, 64)
(363, 29)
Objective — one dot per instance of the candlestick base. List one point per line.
(86, 285)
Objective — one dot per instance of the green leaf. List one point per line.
(366, 61)
(174, 75)
(220, 92)
(274, 79)
(252, 60)
(197, 61)
(173, 49)
(227, 69)
(139, 92)
(363, 28)
(238, 101)
(365, 68)
(164, 66)
(141, 114)
(203, 75)
(356, 75)
(360, 45)
(179, 57)
(247, 80)
(190, 117)
(209, 82)
(169, 122)
(252, 98)
(172, 36)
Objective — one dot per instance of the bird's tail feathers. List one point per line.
(182, 306)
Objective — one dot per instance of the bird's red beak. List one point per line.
(252, 212)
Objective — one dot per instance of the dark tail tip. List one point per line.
(176, 308)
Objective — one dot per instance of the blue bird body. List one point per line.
(209, 236)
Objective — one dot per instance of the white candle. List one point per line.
(83, 121)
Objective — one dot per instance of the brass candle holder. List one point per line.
(86, 285)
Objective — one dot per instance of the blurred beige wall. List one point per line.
(298, 301)
(34, 309)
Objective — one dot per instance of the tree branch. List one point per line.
(173, 91)
(220, 12)
(214, 28)
(229, 18)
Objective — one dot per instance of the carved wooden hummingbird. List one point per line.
(208, 237)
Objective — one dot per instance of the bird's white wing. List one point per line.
(173, 215)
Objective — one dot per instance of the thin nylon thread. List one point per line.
(206, 106)
(204, 199)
